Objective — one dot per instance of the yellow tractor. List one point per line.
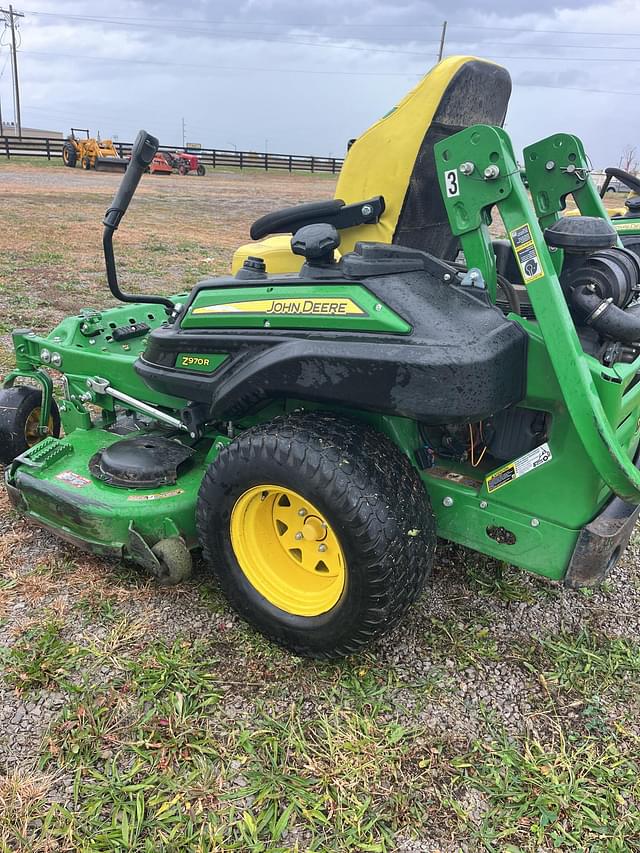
(91, 153)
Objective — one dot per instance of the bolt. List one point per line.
(219, 445)
(88, 383)
(45, 356)
(535, 522)
(367, 210)
(298, 535)
(550, 165)
(446, 277)
(302, 511)
(56, 359)
(267, 324)
(467, 168)
(491, 172)
(483, 504)
(474, 275)
(322, 547)
(378, 306)
(448, 501)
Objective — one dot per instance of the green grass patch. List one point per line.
(41, 658)
(581, 796)
(588, 664)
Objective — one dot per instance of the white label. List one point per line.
(508, 473)
(451, 183)
(532, 459)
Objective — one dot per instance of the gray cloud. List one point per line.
(306, 77)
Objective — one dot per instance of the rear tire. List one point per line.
(69, 155)
(359, 487)
(201, 170)
(19, 413)
(633, 244)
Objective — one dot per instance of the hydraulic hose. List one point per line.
(606, 318)
(143, 152)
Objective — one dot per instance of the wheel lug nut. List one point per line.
(302, 511)
(298, 535)
(322, 547)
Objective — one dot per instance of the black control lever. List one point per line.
(142, 153)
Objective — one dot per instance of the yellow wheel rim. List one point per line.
(31, 434)
(287, 550)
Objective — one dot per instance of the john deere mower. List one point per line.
(626, 220)
(314, 431)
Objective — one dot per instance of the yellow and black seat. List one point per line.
(387, 190)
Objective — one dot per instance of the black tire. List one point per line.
(201, 170)
(17, 404)
(370, 495)
(86, 163)
(183, 170)
(69, 155)
(633, 244)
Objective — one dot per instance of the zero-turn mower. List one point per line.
(314, 431)
(91, 153)
(626, 220)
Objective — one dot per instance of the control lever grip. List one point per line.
(143, 151)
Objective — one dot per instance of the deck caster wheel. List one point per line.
(175, 563)
(20, 419)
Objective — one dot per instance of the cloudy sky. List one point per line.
(304, 77)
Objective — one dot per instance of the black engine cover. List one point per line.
(463, 360)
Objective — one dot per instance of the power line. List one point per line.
(249, 36)
(209, 67)
(314, 71)
(306, 71)
(333, 25)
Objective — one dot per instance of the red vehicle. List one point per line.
(184, 163)
(160, 165)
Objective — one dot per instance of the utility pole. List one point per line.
(11, 19)
(183, 135)
(442, 36)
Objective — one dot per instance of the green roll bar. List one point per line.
(477, 171)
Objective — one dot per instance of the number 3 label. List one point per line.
(451, 183)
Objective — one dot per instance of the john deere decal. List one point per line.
(320, 306)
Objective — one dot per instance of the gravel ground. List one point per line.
(492, 668)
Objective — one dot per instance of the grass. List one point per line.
(579, 796)
(41, 658)
(177, 728)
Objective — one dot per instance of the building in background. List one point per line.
(8, 128)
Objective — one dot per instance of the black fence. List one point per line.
(51, 149)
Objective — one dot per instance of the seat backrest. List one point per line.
(394, 158)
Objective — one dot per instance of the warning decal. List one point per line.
(75, 480)
(533, 459)
(526, 253)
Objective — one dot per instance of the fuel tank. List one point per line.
(386, 329)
